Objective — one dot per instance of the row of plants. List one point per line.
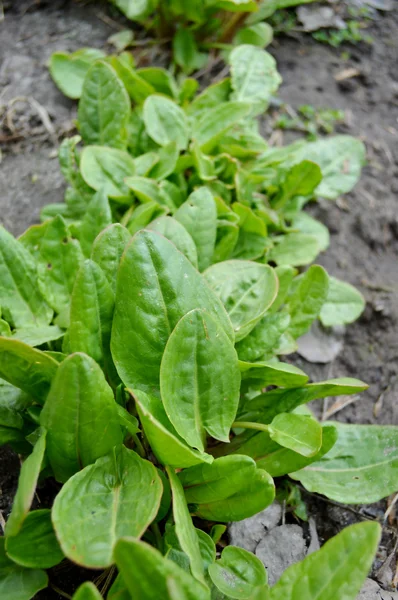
(143, 325)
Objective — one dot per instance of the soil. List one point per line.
(363, 225)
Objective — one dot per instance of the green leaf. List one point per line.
(80, 415)
(360, 468)
(273, 373)
(148, 574)
(12, 402)
(36, 336)
(166, 162)
(230, 489)
(211, 126)
(238, 573)
(304, 223)
(108, 248)
(285, 274)
(165, 121)
(119, 495)
(161, 80)
(119, 590)
(294, 249)
(306, 303)
(199, 217)
(252, 233)
(163, 286)
(344, 304)
(146, 190)
(254, 77)
(97, 217)
(137, 88)
(20, 299)
(91, 314)
(185, 530)
(87, 591)
(246, 289)
(17, 583)
(299, 433)
(104, 107)
(260, 34)
(35, 546)
(136, 10)
(185, 51)
(104, 169)
(121, 39)
(200, 379)
(340, 158)
(270, 404)
(59, 260)
(27, 483)
(211, 97)
(166, 444)
(301, 180)
(27, 368)
(128, 421)
(337, 570)
(275, 459)
(69, 70)
(174, 231)
(263, 338)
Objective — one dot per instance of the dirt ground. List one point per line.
(363, 226)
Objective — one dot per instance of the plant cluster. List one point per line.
(142, 327)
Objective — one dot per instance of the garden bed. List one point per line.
(364, 226)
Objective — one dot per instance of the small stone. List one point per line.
(248, 533)
(282, 547)
(372, 591)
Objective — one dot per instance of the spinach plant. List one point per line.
(153, 393)
(142, 325)
(150, 143)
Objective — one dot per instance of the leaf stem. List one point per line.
(140, 447)
(158, 536)
(250, 425)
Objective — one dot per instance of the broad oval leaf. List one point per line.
(17, 583)
(80, 415)
(213, 123)
(238, 573)
(273, 373)
(263, 339)
(300, 433)
(344, 304)
(91, 314)
(340, 158)
(199, 217)
(307, 301)
(36, 336)
(104, 107)
(230, 489)
(147, 573)
(163, 286)
(27, 483)
(200, 379)
(20, 298)
(27, 368)
(254, 76)
(119, 495)
(362, 467)
(87, 591)
(184, 527)
(337, 570)
(105, 169)
(97, 216)
(166, 444)
(294, 249)
(35, 546)
(247, 289)
(59, 259)
(69, 70)
(174, 231)
(108, 248)
(165, 121)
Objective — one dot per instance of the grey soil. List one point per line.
(364, 226)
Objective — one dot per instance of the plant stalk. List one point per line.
(250, 425)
